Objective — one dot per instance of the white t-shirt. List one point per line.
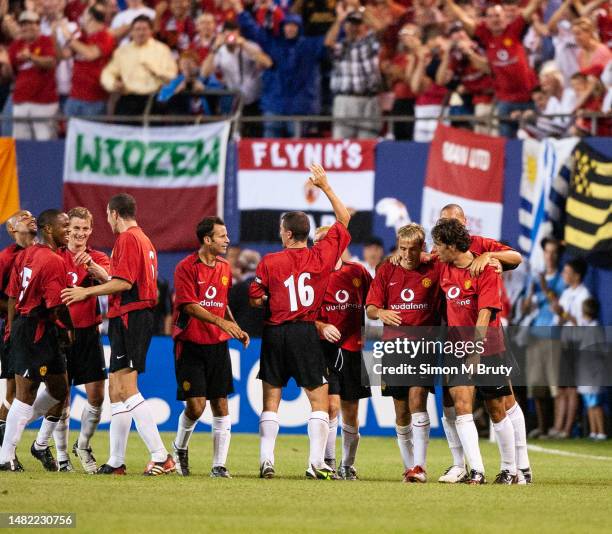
(240, 72)
(566, 50)
(63, 71)
(126, 17)
(571, 301)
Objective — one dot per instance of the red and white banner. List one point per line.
(176, 175)
(465, 168)
(273, 177)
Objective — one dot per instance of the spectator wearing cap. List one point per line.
(174, 25)
(138, 69)
(184, 95)
(240, 64)
(356, 78)
(398, 72)
(513, 77)
(205, 37)
(251, 319)
(92, 49)
(290, 87)
(593, 55)
(31, 59)
(464, 69)
(121, 24)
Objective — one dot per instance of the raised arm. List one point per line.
(530, 9)
(468, 22)
(319, 179)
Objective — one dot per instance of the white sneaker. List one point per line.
(86, 458)
(601, 437)
(454, 475)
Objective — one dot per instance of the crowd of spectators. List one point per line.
(522, 67)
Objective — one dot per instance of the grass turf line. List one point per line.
(569, 494)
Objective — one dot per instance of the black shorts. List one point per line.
(85, 358)
(486, 393)
(292, 350)
(129, 344)
(487, 372)
(345, 376)
(6, 362)
(35, 359)
(202, 370)
(401, 392)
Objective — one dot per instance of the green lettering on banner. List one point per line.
(159, 148)
(85, 160)
(133, 168)
(209, 158)
(177, 157)
(110, 144)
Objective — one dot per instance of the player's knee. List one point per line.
(219, 407)
(96, 399)
(195, 408)
(497, 409)
(334, 406)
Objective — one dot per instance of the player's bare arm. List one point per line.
(319, 179)
(10, 311)
(245, 339)
(480, 263)
(328, 331)
(388, 317)
(482, 323)
(70, 295)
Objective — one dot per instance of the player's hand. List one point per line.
(319, 177)
(394, 259)
(231, 328)
(331, 333)
(389, 317)
(82, 258)
(479, 264)
(245, 339)
(70, 295)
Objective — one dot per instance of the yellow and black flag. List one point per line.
(588, 223)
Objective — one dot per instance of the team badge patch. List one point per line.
(356, 282)
(426, 282)
(43, 370)
(508, 42)
(224, 280)
(186, 386)
(467, 284)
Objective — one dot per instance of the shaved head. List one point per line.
(453, 211)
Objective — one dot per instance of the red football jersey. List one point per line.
(197, 283)
(85, 313)
(480, 244)
(415, 294)
(7, 260)
(343, 304)
(33, 84)
(467, 295)
(86, 74)
(513, 78)
(134, 260)
(295, 279)
(38, 277)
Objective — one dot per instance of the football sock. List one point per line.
(318, 430)
(46, 430)
(268, 430)
(350, 442)
(42, 404)
(222, 434)
(90, 417)
(420, 437)
(450, 429)
(146, 427)
(504, 434)
(184, 431)
(517, 418)
(61, 434)
(330, 446)
(18, 417)
(404, 441)
(121, 421)
(466, 429)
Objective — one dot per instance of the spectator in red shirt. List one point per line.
(175, 26)
(205, 38)
(92, 49)
(502, 39)
(74, 9)
(32, 59)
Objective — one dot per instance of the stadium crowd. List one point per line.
(542, 64)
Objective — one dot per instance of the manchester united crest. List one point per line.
(426, 282)
(186, 386)
(43, 370)
(224, 280)
(467, 284)
(356, 282)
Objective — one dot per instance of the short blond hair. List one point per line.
(412, 231)
(321, 229)
(81, 213)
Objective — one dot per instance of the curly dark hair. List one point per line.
(451, 232)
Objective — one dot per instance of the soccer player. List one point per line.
(21, 226)
(38, 322)
(132, 292)
(474, 301)
(85, 358)
(339, 324)
(203, 323)
(487, 252)
(408, 294)
(292, 284)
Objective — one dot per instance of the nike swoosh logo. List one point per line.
(119, 357)
(392, 283)
(201, 282)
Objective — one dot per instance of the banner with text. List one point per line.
(176, 175)
(273, 178)
(467, 169)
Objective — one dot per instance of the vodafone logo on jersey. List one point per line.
(452, 294)
(73, 277)
(342, 296)
(210, 294)
(407, 295)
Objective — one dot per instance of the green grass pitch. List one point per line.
(570, 494)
